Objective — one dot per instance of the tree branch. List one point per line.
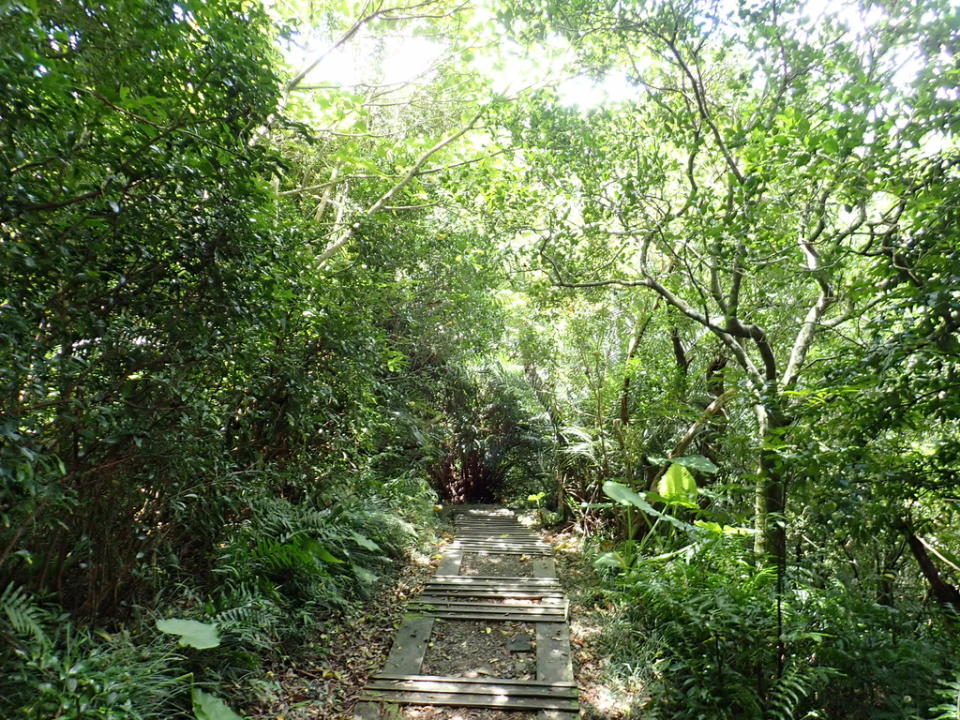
(336, 246)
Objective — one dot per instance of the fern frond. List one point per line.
(949, 692)
(24, 617)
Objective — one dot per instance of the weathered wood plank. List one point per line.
(554, 663)
(450, 562)
(545, 567)
(445, 589)
(495, 617)
(409, 645)
(494, 544)
(487, 687)
(502, 702)
(502, 551)
(532, 610)
(490, 546)
(488, 579)
(553, 653)
(466, 680)
(442, 602)
(493, 593)
(498, 532)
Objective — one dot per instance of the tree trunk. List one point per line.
(770, 497)
(944, 592)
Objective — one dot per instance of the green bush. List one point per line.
(49, 668)
(707, 624)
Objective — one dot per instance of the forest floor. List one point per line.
(597, 636)
(325, 684)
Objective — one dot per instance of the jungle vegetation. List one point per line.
(277, 278)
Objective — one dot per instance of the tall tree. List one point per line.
(758, 151)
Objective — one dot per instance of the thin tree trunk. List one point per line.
(943, 591)
(770, 497)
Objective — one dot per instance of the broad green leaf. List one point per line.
(719, 529)
(677, 486)
(210, 707)
(624, 495)
(364, 542)
(610, 560)
(617, 491)
(326, 556)
(364, 575)
(193, 633)
(694, 462)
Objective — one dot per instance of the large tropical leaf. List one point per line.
(193, 633)
(678, 487)
(210, 707)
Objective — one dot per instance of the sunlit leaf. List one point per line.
(210, 707)
(192, 633)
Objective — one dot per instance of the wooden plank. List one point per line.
(519, 578)
(487, 579)
(488, 608)
(504, 549)
(495, 617)
(451, 561)
(444, 588)
(487, 527)
(528, 553)
(529, 592)
(545, 567)
(487, 687)
(494, 539)
(497, 532)
(462, 603)
(553, 654)
(554, 664)
(409, 645)
(447, 678)
(493, 593)
(453, 599)
(501, 702)
(468, 581)
(492, 546)
(504, 615)
(493, 530)
(434, 588)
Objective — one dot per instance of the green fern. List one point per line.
(949, 693)
(23, 616)
(786, 696)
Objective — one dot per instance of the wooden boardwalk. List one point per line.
(452, 596)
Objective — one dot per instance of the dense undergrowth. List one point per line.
(700, 636)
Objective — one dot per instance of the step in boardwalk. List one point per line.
(538, 600)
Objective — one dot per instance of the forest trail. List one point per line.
(489, 631)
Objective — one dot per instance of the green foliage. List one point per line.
(210, 707)
(192, 633)
(949, 692)
(250, 328)
(710, 623)
(678, 487)
(49, 667)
